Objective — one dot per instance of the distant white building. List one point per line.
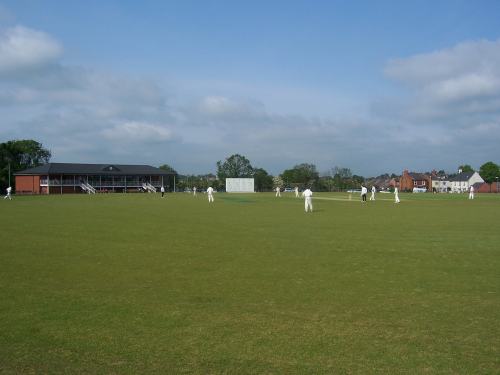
(462, 182)
(440, 184)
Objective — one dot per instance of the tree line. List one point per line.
(303, 175)
(17, 155)
(238, 166)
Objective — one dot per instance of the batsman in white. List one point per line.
(307, 194)
(296, 192)
(396, 195)
(471, 192)
(372, 197)
(278, 191)
(210, 193)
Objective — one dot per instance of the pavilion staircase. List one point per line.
(86, 187)
(148, 187)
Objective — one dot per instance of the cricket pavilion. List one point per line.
(68, 178)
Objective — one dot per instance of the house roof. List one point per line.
(94, 169)
(464, 176)
(418, 176)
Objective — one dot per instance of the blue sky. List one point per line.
(376, 86)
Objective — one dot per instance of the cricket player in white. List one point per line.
(210, 192)
(296, 192)
(471, 192)
(9, 190)
(364, 190)
(194, 191)
(372, 197)
(162, 189)
(307, 194)
(396, 195)
(278, 192)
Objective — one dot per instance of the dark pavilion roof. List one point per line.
(93, 169)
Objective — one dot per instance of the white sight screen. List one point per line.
(239, 185)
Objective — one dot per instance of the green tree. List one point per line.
(263, 181)
(342, 172)
(304, 174)
(168, 168)
(171, 181)
(339, 182)
(489, 172)
(339, 179)
(235, 166)
(325, 183)
(466, 168)
(19, 155)
(278, 181)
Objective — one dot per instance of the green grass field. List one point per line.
(136, 284)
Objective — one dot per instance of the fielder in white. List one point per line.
(307, 194)
(396, 195)
(8, 196)
(162, 189)
(278, 192)
(372, 197)
(210, 193)
(471, 192)
(194, 191)
(296, 192)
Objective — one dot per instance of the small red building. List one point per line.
(63, 178)
(410, 180)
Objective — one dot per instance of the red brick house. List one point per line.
(410, 180)
(394, 183)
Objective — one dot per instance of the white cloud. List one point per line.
(467, 71)
(448, 63)
(22, 48)
(223, 108)
(85, 115)
(470, 85)
(137, 132)
(450, 110)
(218, 105)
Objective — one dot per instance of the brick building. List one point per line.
(410, 180)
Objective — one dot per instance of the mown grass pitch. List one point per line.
(136, 284)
